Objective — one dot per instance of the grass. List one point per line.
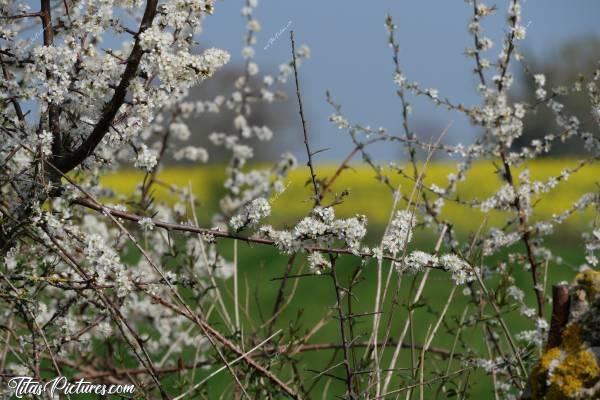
(314, 296)
(260, 265)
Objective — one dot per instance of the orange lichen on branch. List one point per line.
(589, 280)
(571, 368)
(577, 371)
(571, 338)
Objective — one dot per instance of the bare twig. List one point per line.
(313, 176)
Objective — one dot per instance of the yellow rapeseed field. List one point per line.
(369, 197)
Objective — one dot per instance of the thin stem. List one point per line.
(345, 341)
(313, 176)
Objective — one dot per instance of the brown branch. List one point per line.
(72, 159)
(116, 314)
(206, 327)
(53, 108)
(248, 239)
(277, 308)
(336, 346)
(346, 341)
(90, 373)
(313, 176)
(24, 15)
(561, 303)
(479, 68)
(509, 178)
(526, 237)
(344, 165)
(13, 100)
(95, 374)
(67, 9)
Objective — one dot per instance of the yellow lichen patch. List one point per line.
(563, 371)
(571, 338)
(539, 374)
(579, 369)
(548, 357)
(590, 281)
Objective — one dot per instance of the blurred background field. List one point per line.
(370, 197)
(313, 296)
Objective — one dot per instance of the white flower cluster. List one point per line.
(10, 259)
(498, 117)
(207, 260)
(350, 230)
(340, 121)
(417, 261)
(146, 224)
(461, 271)
(146, 158)
(182, 13)
(320, 228)
(317, 263)
(497, 239)
(537, 336)
(179, 69)
(251, 214)
(503, 199)
(180, 130)
(516, 293)
(540, 82)
(45, 142)
(514, 15)
(592, 246)
(399, 233)
(81, 75)
(243, 187)
(192, 153)
(105, 262)
(59, 61)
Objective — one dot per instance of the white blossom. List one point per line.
(146, 158)
(399, 233)
(460, 269)
(417, 261)
(146, 224)
(317, 263)
(251, 214)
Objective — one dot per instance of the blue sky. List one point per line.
(350, 56)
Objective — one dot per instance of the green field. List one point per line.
(314, 295)
(259, 265)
